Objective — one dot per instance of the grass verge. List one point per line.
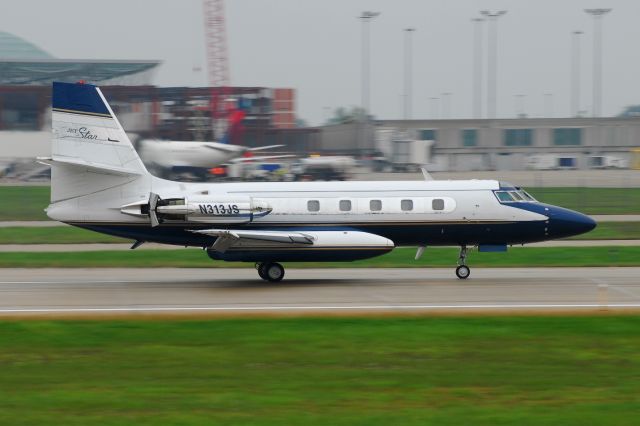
(612, 231)
(54, 235)
(320, 371)
(399, 258)
(24, 202)
(592, 200)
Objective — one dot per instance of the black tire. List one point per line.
(261, 270)
(463, 272)
(274, 272)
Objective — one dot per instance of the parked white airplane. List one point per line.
(179, 156)
(98, 182)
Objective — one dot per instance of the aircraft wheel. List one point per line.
(260, 266)
(274, 272)
(463, 272)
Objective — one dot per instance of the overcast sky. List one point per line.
(315, 47)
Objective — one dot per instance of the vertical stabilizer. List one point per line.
(90, 150)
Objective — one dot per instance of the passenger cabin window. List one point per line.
(375, 205)
(345, 205)
(406, 205)
(313, 205)
(437, 204)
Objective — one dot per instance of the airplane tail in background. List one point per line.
(234, 125)
(90, 150)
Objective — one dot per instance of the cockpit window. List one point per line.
(527, 196)
(516, 196)
(504, 196)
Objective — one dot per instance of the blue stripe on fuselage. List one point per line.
(407, 235)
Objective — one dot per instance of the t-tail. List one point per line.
(92, 158)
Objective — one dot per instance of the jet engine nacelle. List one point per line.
(216, 209)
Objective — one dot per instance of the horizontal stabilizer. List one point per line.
(96, 167)
(260, 148)
(222, 147)
(261, 158)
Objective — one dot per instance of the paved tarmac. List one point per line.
(95, 292)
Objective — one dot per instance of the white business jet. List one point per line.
(98, 182)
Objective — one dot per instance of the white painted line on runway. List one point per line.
(315, 308)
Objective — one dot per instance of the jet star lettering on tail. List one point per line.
(86, 133)
(82, 133)
(105, 187)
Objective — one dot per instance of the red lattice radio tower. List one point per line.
(216, 43)
(217, 63)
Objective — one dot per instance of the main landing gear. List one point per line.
(270, 271)
(463, 271)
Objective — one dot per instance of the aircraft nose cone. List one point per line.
(582, 223)
(566, 223)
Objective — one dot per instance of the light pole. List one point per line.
(435, 114)
(575, 73)
(446, 104)
(492, 84)
(477, 67)
(597, 58)
(548, 105)
(366, 18)
(519, 104)
(408, 101)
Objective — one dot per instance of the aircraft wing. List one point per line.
(263, 157)
(230, 237)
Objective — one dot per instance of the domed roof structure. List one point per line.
(14, 47)
(24, 63)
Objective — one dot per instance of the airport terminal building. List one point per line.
(500, 144)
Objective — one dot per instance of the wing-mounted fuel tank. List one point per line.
(211, 209)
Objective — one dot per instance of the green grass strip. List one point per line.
(612, 231)
(54, 235)
(322, 371)
(592, 200)
(399, 258)
(24, 202)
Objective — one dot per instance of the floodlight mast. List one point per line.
(408, 73)
(597, 58)
(477, 67)
(366, 18)
(492, 84)
(575, 74)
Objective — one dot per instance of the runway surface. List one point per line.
(95, 292)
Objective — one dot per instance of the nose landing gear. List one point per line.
(270, 271)
(463, 271)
